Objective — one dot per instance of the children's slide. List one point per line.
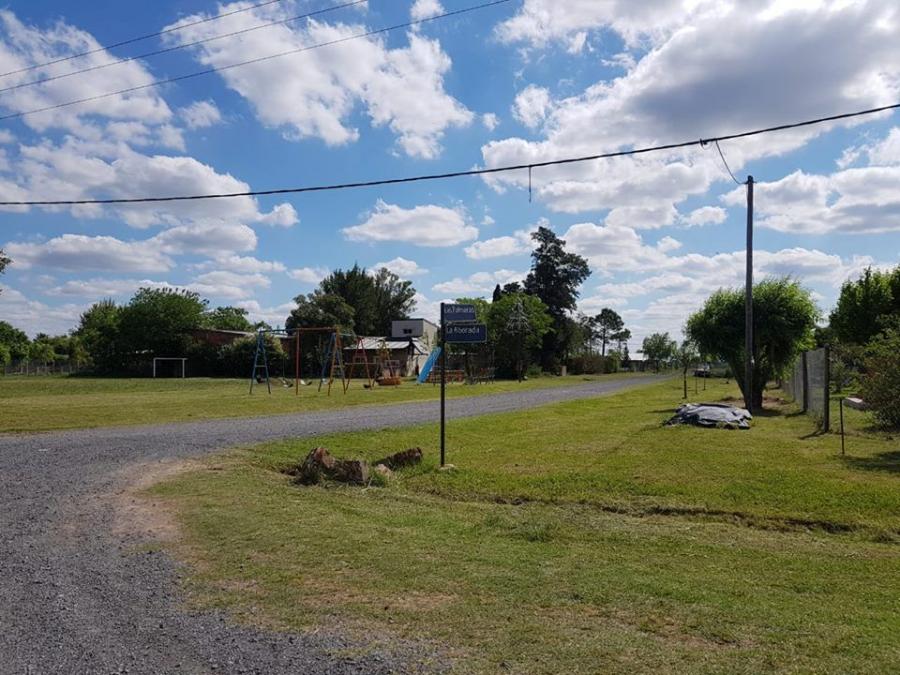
(429, 364)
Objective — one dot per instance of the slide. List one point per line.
(429, 364)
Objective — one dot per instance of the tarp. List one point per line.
(712, 415)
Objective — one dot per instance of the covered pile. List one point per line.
(719, 415)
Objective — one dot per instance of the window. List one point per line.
(407, 331)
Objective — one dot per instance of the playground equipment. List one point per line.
(429, 364)
(333, 366)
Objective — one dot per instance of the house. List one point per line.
(423, 329)
(407, 347)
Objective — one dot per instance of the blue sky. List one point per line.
(525, 81)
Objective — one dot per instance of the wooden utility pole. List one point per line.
(748, 303)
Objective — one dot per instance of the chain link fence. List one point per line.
(807, 384)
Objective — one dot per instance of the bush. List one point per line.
(880, 385)
(533, 371)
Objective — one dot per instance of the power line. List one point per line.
(458, 174)
(219, 69)
(185, 45)
(725, 162)
(140, 38)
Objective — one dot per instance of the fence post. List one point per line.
(826, 414)
(804, 381)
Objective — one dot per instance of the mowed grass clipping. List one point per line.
(30, 404)
(578, 537)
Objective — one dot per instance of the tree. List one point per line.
(318, 309)
(394, 298)
(621, 339)
(659, 347)
(4, 261)
(15, 340)
(157, 322)
(784, 318)
(517, 323)
(98, 330)
(41, 351)
(687, 357)
(374, 299)
(880, 385)
(554, 278)
(227, 318)
(498, 293)
(864, 304)
(609, 323)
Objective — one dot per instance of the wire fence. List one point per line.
(808, 385)
(28, 367)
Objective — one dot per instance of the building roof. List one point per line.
(376, 343)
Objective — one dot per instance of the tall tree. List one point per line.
(98, 330)
(659, 347)
(784, 317)
(228, 318)
(498, 293)
(157, 322)
(555, 277)
(687, 357)
(15, 340)
(320, 310)
(608, 324)
(517, 323)
(621, 339)
(357, 289)
(4, 261)
(394, 298)
(864, 304)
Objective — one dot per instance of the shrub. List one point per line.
(880, 385)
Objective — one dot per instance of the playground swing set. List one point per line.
(333, 365)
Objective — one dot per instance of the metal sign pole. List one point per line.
(748, 303)
(443, 378)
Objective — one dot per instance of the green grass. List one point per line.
(48, 403)
(578, 537)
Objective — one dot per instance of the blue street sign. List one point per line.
(465, 332)
(455, 312)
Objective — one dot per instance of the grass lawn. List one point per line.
(47, 403)
(578, 537)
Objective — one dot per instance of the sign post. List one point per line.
(457, 326)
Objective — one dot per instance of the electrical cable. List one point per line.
(457, 174)
(185, 45)
(725, 162)
(219, 69)
(139, 38)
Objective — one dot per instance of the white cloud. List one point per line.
(706, 215)
(274, 316)
(539, 22)
(478, 283)
(283, 215)
(226, 285)
(313, 93)
(428, 225)
(423, 9)
(97, 288)
(35, 317)
(78, 252)
(200, 115)
(243, 264)
(206, 238)
(516, 244)
(402, 267)
(490, 121)
(309, 275)
(862, 200)
(710, 75)
(532, 105)
(24, 46)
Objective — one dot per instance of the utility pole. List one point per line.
(748, 304)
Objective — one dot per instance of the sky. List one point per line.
(520, 82)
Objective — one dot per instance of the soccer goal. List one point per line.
(169, 358)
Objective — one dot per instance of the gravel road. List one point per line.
(80, 595)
